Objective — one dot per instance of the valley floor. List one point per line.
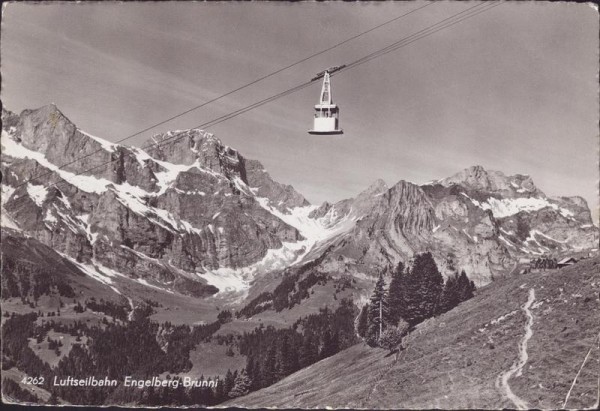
(526, 341)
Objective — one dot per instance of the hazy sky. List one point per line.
(513, 89)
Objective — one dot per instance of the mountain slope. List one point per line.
(167, 219)
(192, 216)
(462, 358)
(481, 221)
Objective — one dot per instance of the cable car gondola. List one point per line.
(326, 120)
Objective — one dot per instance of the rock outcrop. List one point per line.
(187, 204)
(188, 210)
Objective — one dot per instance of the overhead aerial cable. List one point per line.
(238, 88)
(443, 24)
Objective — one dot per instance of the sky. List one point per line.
(513, 89)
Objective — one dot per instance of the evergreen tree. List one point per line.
(378, 317)
(285, 360)
(309, 352)
(219, 396)
(179, 395)
(362, 324)
(241, 386)
(269, 375)
(294, 359)
(423, 289)
(465, 287)
(396, 298)
(250, 366)
(228, 383)
(330, 344)
(450, 295)
(335, 342)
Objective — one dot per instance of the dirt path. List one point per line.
(382, 376)
(517, 367)
(377, 381)
(130, 315)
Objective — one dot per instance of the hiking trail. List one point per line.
(517, 367)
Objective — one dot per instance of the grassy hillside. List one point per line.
(519, 342)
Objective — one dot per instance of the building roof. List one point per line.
(567, 260)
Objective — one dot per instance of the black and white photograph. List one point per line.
(300, 205)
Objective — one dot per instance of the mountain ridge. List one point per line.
(190, 209)
(137, 194)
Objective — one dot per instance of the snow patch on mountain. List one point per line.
(531, 240)
(107, 275)
(90, 270)
(7, 222)
(238, 280)
(501, 237)
(133, 198)
(90, 184)
(536, 232)
(50, 218)
(85, 183)
(38, 193)
(509, 206)
(141, 255)
(106, 145)
(312, 229)
(506, 207)
(147, 284)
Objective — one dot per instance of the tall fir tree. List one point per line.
(228, 383)
(378, 318)
(286, 358)
(330, 344)
(269, 375)
(465, 287)
(251, 371)
(423, 289)
(450, 295)
(219, 396)
(241, 385)
(396, 297)
(309, 352)
(256, 376)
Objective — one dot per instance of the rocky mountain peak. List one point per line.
(44, 128)
(377, 187)
(199, 147)
(184, 205)
(491, 181)
(187, 147)
(410, 201)
(189, 208)
(475, 177)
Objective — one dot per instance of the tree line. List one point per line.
(116, 349)
(414, 294)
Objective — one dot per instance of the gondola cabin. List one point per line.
(326, 120)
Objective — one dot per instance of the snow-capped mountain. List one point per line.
(477, 220)
(173, 215)
(190, 215)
